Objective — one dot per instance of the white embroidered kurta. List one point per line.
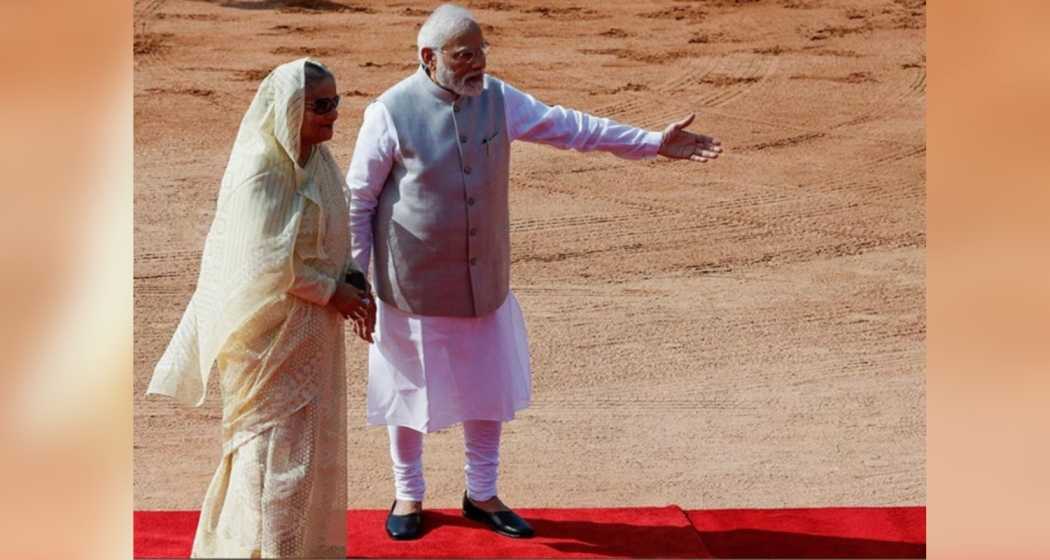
(276, 249)
(428, 373)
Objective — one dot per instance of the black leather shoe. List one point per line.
(505, 523)
(404, 527)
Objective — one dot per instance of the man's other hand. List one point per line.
(680, 144)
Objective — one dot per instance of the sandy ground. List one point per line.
(745, 333)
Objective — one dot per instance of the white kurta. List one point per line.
(428, 373)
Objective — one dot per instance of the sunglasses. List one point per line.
(323, 105)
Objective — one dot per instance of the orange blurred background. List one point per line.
(988, 280)
(65, 225)
(66, 229)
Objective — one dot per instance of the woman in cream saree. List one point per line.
(268, 312)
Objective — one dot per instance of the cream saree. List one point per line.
(272, 259)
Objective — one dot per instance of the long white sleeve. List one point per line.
(533, 121)
(311, 284)
(373, 158)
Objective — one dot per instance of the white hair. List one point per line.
(444, 23)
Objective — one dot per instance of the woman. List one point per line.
(268, 311)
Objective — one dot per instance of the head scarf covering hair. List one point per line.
(247, 268)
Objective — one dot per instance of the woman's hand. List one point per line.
(367, 327)
(358, 306)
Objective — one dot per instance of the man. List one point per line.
(429, 180)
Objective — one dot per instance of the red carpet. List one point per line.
(560, 533)
(893, 532)
(667, 532)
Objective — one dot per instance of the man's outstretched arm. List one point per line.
(534, 121)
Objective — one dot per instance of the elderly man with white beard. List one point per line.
(428, 201)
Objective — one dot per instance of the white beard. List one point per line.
(446, 79)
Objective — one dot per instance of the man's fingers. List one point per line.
(709, 142)
(684, 122)
(696, 157)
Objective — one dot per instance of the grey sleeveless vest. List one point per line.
(441, 227)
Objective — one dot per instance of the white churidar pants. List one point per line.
(481, 446)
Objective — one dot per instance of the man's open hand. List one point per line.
(680, 144)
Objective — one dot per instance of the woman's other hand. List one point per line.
(356, 305)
